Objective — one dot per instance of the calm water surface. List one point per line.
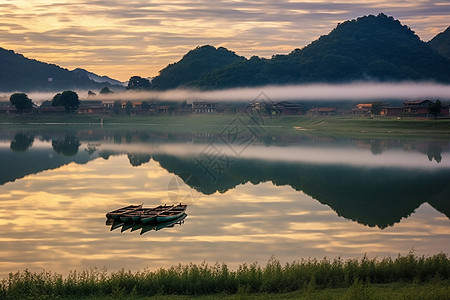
(293, 197)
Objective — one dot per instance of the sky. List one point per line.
(121, 39)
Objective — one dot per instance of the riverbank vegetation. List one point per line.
(405, 277)
(216, 123)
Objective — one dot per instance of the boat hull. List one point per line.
(166, 218)
(147, 220)
(116, 214)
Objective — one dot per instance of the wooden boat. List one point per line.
(150, 216)
(136, 226)
(116, 224)
(159, 226)
(133, 215)
(142, 213)
(115, 214)
(147, 227)
(171, 223)
(126, 226)
(172, 213)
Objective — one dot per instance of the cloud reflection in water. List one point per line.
(56, 220)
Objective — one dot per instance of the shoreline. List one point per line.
(216, 123)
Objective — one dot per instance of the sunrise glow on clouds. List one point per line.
(125, 38)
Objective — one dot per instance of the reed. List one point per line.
(357, 277)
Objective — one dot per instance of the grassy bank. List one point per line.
(406, 277)
(338, 126)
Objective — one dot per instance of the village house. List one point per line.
(322, 111)
(7, 108)
(417, 108)
(289, 108)
(96, 107)
(204, 107)
(388, 111)
(362, 109)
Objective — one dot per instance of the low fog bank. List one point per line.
(347, 156)
(352, 91)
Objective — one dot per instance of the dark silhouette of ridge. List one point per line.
(441, 43)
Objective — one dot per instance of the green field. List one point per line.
(344, 126)
(405, 277)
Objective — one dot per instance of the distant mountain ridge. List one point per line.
(97, 78)
(18, 73)
(441, 43)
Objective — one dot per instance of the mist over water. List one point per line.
(351, 91)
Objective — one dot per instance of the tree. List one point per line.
(376, 108)
(117, 106)
(138, 83)
(145, 105)
(68, 99)
(21, 102)
(21, 142)
(435, 108)
(128, 107)
(67, 147)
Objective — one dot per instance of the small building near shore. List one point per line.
(204, 107)
(322, 111)
(7, 108)
(417, 108)
(289, 108)
(388, 111)
(362, 109)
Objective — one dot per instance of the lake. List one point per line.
(250, 195)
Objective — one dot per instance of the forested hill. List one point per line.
(195, 64)
(18, 73)
(441, 43)
(368, 48)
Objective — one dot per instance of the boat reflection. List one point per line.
(116, 224)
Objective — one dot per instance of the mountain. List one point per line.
(369, 48)
(195, 64)
(96, 78)
(18, 73)
(441, 43)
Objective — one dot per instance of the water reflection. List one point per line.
(434, 152)
(374, 182)
(302, 196)
(124, 226)
(21, 142)
(67, 146)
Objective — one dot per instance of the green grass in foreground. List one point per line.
(406, 277)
